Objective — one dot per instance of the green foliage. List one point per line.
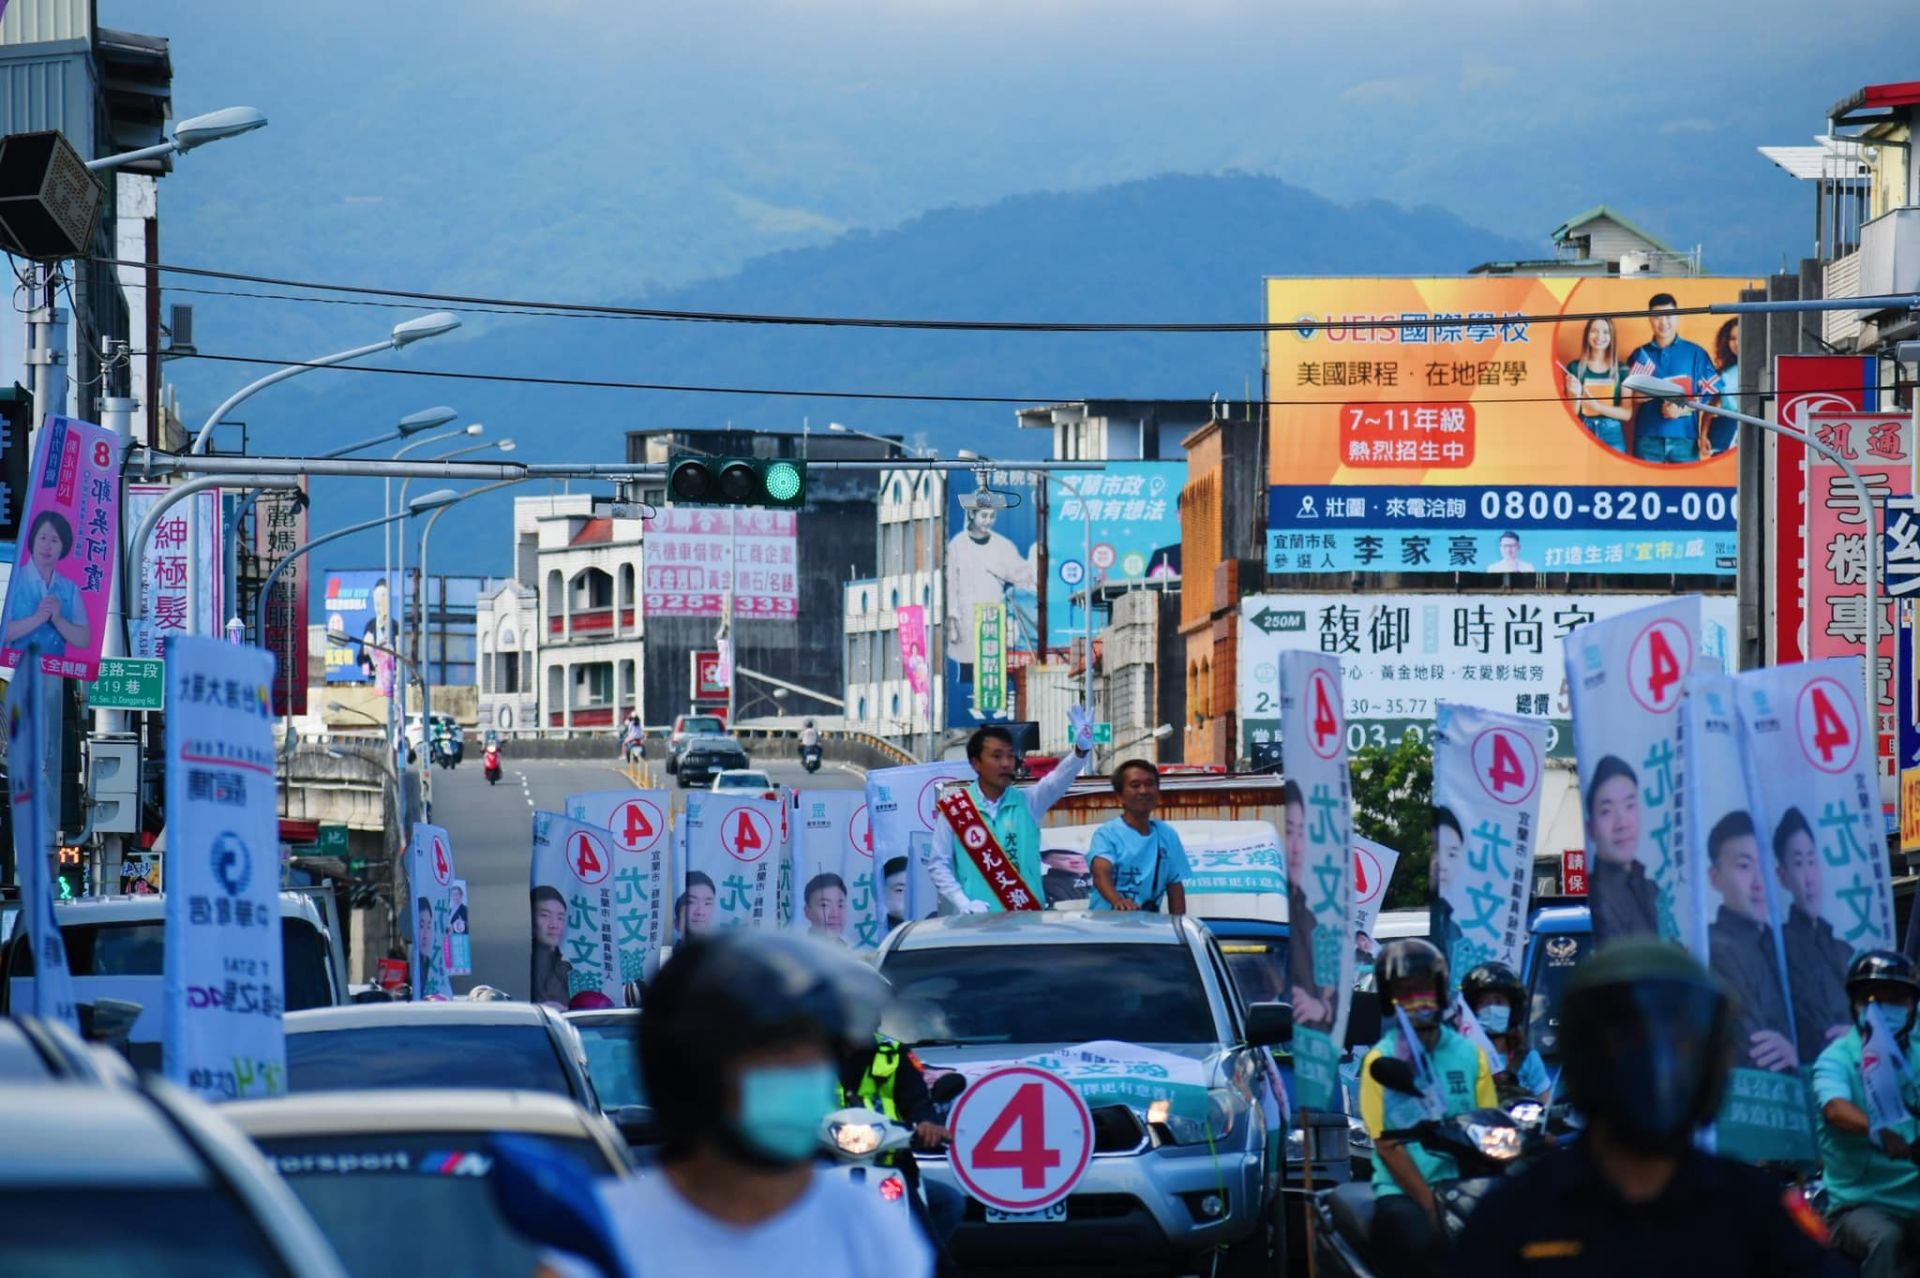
(1393, 804)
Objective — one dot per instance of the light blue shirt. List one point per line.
(1144, 865)
(26, 592)
(1532, 1074)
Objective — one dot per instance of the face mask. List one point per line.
(781, 1108)
(1494, 1017)
(1421, 1009)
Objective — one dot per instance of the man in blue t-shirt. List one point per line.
(1667, 430)
(1138, 863)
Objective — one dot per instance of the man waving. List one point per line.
(990, 857)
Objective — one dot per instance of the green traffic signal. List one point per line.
(736, 481)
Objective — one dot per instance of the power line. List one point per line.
(581, 309)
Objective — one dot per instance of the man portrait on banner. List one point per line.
(1625, 901)
(374, 664)
(1740, 946)
(1666, 430)
(1816, 959)
(1314, 1004)
(982, 565)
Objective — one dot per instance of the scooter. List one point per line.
(852, 1143)
(810, 757)
(491, 761)
(1485, 1145)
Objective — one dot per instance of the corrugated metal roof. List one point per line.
(39, 21)
(1828, 158)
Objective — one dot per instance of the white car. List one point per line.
(746, 781)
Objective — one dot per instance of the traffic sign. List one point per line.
(1022, 1138)
(1271, 622)
(129, 683)
(1103, 734)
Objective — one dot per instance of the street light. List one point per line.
(838, 429)
(197, 131)
(1651, 387)
(419, 596)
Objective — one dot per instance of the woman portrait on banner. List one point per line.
(1593, 384)
(44, 610)
(1721, 432)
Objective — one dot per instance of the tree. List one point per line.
(1393, 804)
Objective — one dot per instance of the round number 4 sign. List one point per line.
(1022, 1139)
(1828, 719)
(1506, 765)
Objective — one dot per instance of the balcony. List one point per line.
(593, 623)
(1890, 254)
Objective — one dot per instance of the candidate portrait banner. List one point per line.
(736, 855)
(1730, 906)
(57, 597)
(34, 815)
(1816, 808)
(430, 872)
(225, 985)
(1625, 676)
(575, 960)
(459, 935)
(642, 838)
(900, 809)
(1319, 870)
(1487, 769)
(833, 869)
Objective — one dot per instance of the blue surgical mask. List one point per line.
(1494, 1017)
(781, 1108)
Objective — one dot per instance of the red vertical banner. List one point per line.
(1803, 384)
(280, 527)
(1573, 872)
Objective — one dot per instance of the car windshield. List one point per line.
(1556, 959)
(510, 1056)
(1258, 968)
(742, 781)
(613, 1062)
(422, 1203)
(696, 724)
(145, 1233)
(1050, 994)
(139, 948)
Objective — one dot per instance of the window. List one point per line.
(593, 684)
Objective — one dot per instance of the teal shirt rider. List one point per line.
(1859, 1173)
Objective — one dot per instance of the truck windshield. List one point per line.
(1050, 994)
(1556, 959)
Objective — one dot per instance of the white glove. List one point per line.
(1081, 727)
(978, 907)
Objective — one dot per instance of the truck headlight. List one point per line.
(1222, 1115)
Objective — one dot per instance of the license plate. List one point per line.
(1045, 1216)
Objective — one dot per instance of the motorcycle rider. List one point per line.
(884, 1075)
(1647, 1036)
(739, 1051)
(490, 760)
(632, 735)
(809, 738)
(1873, 1184)
(1407, 1238)
(1499, 999)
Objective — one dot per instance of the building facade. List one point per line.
(1223, 534)
(879, 697)
(507, 637)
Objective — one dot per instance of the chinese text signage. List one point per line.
(57, 598)
(695, 556)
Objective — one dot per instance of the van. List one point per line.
(116, 948)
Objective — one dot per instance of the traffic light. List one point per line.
(736, 481)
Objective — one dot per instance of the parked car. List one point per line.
(116, 948)
(499, 1046)
(746, 781)
(612, 1039)
(33, 1050)
(705, 756)
(1158, 1190)
(687, 726)
(144, 1180)
(402, 1181)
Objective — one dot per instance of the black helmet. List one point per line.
(1411, 965)
(1485, 979)
(1647, 1037)
(1881, 967)
(719, 998)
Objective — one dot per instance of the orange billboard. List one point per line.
(1480, 424)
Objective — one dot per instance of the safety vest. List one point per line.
(876, 1088)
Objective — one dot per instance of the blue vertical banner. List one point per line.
(430, 875)
(1319, 870)
(1625, 676)
(736, 854)
(1487, 769)
(833, 869)
(34, 805)
(1121, 524)
(1731, 908)
(225, 984)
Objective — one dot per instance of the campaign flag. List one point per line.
(459, 938)
(1486, 801)
(1730, 906)
(1319, 869)
(57, 597)
(1373, 867)
(833, 869)
(913, 653)
(34, 810)
(225, 987)
(572, 895)
(1625, 676)
(1882, 1067)
(638, 822)
(430, 872)
(900, 806)
(736, 856)
(1816, 812)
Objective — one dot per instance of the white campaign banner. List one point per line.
(1401, 655)
(430, 872)
(165, 569)
(1626, 675)
(572, 892)
(1373, 867)
(1319, 866)
(735, 857)
(900, 809)
(1810, 755)
(637, 820)
(34, 813)
(1487, 769)
(833, 869)
(225, 984)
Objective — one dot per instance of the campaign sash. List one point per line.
(976, 839)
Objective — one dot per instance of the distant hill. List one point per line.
(1169, 248)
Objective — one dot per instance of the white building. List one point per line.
(508, 652)
(912, 514)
